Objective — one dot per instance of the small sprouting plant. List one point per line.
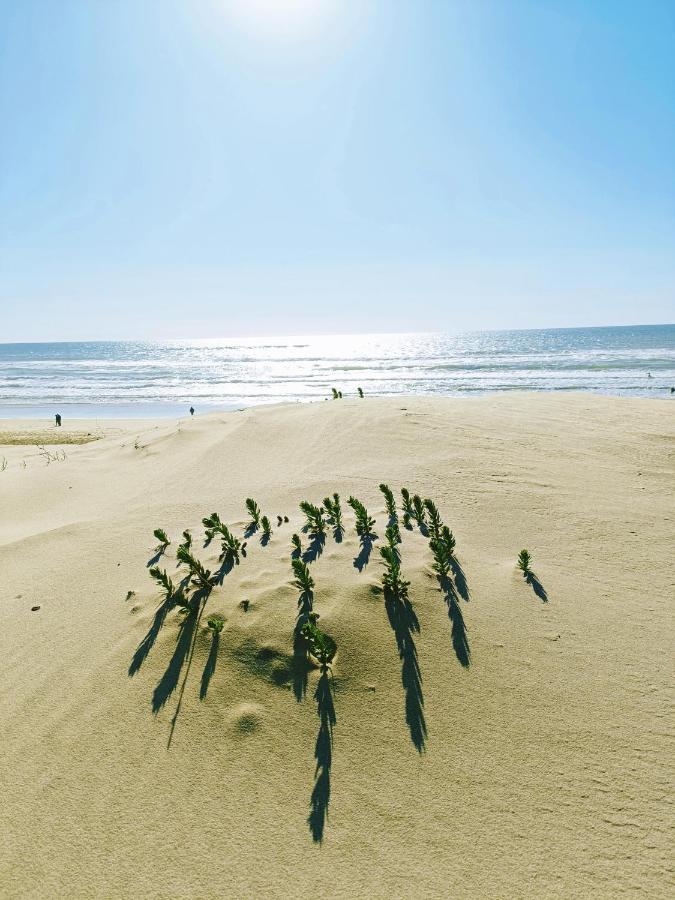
(187, 539)
(215, 623)
(231, 546)
(211, 524)
(419, 511)
(254, 512)
(303, 580)
(316, 523)
(266, 526)
(392, 580)
(201, 577)
(389, 501)
(333, 507)
(524, 560)
(163, 539)
(434, 518)
(321, 646)
(296, 552)
(408, 510)
(163, 580)
(360, 390)
(364, 521)
(335, 393)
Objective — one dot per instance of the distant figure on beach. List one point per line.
(192, 410)
(672, 390)
(58, 420)
(649, 374)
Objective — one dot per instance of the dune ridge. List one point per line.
(504, 742)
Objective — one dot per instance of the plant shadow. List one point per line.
(323, 753)
(460, 579)
(404, 624)
(250, 530)
(182, 653)
(265, 539)
(228, 563)
(537, 586)
(148, 641)
(314, 548)
(363, 557)
(460, 639)
(210, 666)
(300, 662)
(155, 558)
(338, 534)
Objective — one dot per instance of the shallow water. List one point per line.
(145, 378)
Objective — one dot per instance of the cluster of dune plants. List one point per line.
(389, 501)
(364, 521)
(333, 508)
(315, 522)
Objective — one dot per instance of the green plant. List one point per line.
(442, 557)
(230, 545)
(448, 539)
(408, 511)
(201, 577)
(163, 580)
(254, 512)
(303, 580)
(524, 560)
(321, 646)
(297, 545)
(333, 507)
(266, 526)
(163, 539)
(360, 390)
(215, 623)
(364, 521)
(434, 518)
(187, 539)
(393, 535)
(418, 508)
(314, 515)
(392, 580)
(211, 524)
(389, 501)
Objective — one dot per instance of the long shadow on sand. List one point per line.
(314, 548)
(460, 579)
(323, 753)
(363, 557)
(210, 666)
(404, 624)
(146, 644)
(537, 586)
(460, 639)
(300, 662)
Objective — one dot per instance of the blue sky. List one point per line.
(207, 168)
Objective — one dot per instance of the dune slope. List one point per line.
(514, 744)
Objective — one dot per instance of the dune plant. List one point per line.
(419, 512)
(266, 526)
(435, 521)
(297, 546)
(448, 539)
(389, 501)
(201, 577)
(316, 523)
(187, 539)
(230, 546)
(442, 557)
(524, 560)
(163, 580)
(333, 507)
(360, 390)
(254, 512)
(364, 521)
(211, 524)
(163, 539)
(393, 536)
(392, 581)
(408, 510)
(303, 580)
(215, 623)
(321, 646)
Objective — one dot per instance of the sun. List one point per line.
(281, 18)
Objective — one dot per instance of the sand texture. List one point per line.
(517, 743)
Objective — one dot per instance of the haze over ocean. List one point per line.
(152, 379)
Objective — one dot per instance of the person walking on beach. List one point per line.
(58, 420)
(192, 410)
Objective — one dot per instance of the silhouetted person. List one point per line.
(649, 374)
(58, 420)
(672, 390)
(192, 410)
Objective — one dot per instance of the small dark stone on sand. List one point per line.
(244, 605)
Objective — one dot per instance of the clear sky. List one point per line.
(196, 168)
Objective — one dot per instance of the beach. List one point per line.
(519, 748)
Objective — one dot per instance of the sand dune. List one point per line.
(516, 745)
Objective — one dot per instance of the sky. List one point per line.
(211, 168)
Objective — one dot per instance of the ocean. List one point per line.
(141, 378)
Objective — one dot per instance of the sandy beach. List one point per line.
(520, 749)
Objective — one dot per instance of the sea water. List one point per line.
(127, 378)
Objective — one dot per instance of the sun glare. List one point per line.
(280, 18)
